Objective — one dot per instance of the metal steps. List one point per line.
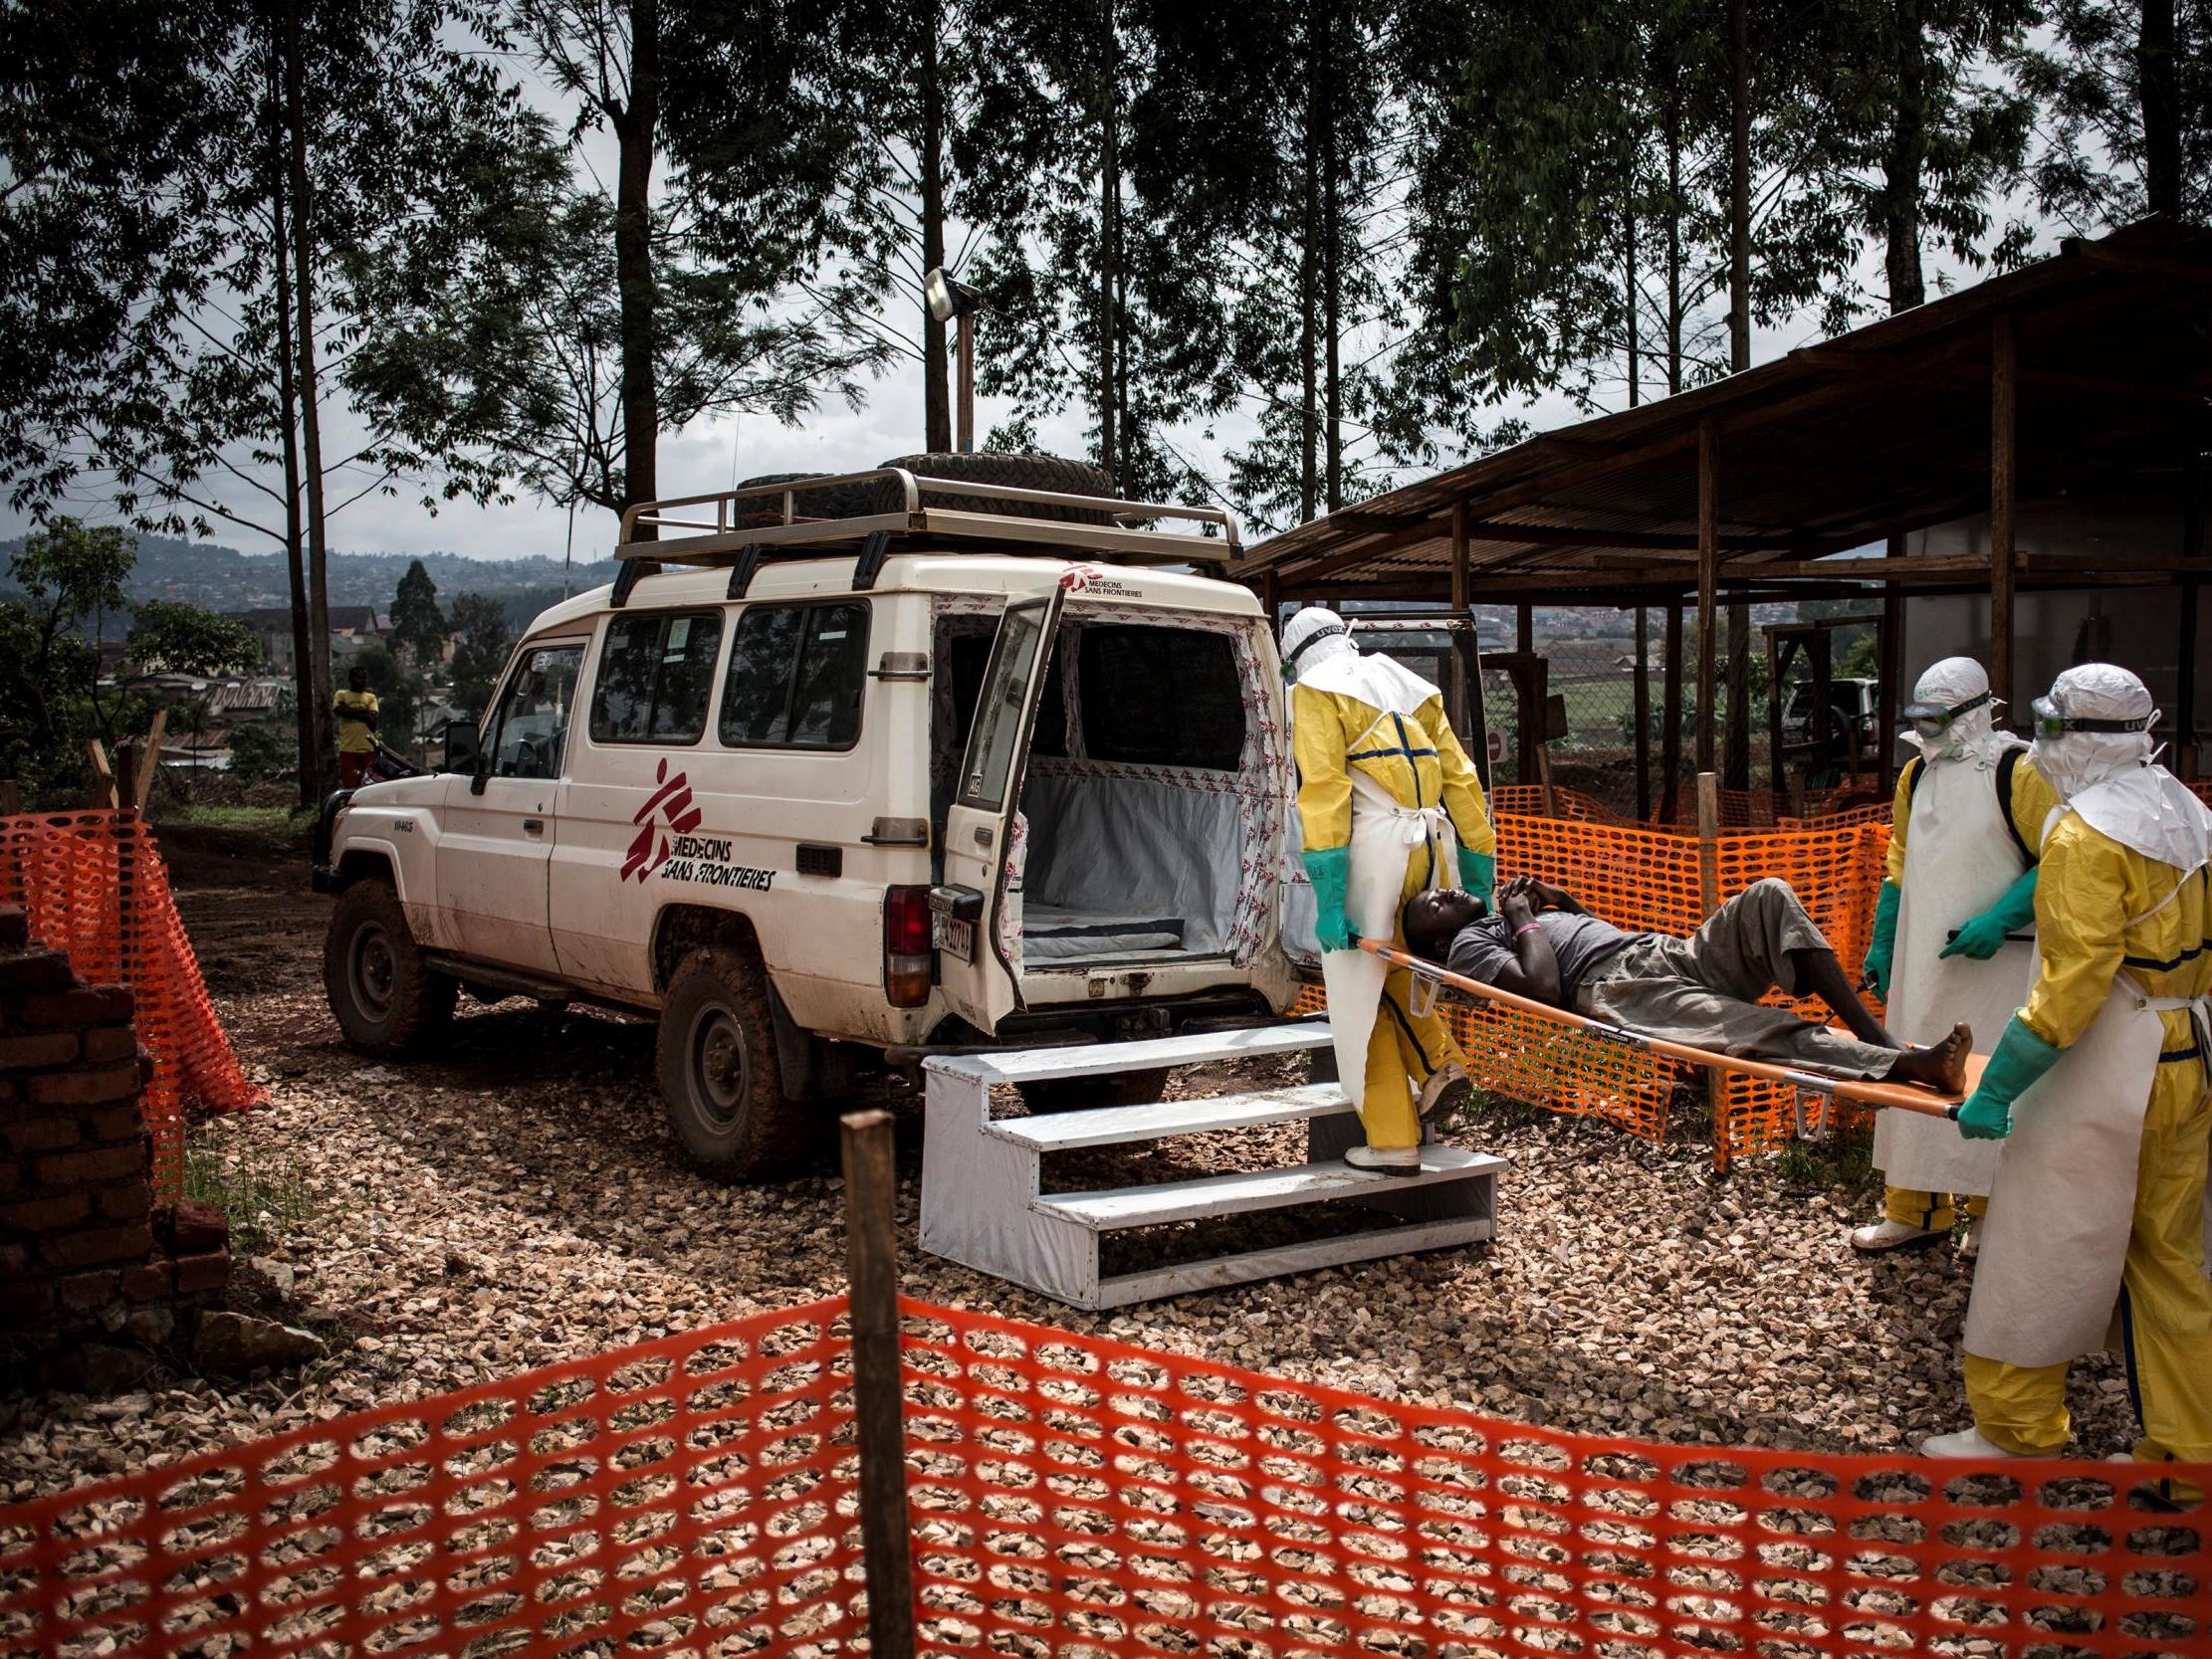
(983, 1203)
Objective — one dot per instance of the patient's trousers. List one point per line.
(1704, 990)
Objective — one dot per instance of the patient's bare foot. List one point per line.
(1941, 1066)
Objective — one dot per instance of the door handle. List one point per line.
(534, 826)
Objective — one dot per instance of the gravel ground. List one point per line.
(516, 1201)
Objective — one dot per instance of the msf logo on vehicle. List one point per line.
(669, 807)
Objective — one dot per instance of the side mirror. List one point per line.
(463, 750)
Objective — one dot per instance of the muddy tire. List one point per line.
(716, 1057)
(387, 999)
(1084, 1094)
(1021, 472)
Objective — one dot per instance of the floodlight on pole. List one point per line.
(950, 298)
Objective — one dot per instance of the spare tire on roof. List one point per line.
(839, 501)
(1021, 472)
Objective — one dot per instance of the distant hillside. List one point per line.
(225, 579)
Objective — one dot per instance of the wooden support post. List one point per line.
(149, 760)
(1709, 591)
(1817, 658)
(1778, 667)
(1463, 598)
(2004, 375)
(872, 1267)
(1670, 715)
(1531, 718)
(1642, 694)
(11, 797)
(1889, 653)
(104, 775)
(1709, 843)
(2185, 675)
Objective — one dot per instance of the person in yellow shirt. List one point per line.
(1390, 806)
(1949, 940)
(2101, 1085)
(356, 708)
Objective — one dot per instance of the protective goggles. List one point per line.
(2049, 720)
(1932, 717)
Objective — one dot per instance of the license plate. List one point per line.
(951, 935)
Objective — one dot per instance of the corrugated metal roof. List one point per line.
(1831, 447)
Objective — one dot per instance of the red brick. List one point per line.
(110, 1042)
(124, 1201)
(88, 1167)
(209, 1272)
(104, 1006)
(28, 1054)
(15, 927)
(28, 972)
(25, 1305)
(48, 1214)
(15, 1261)
(94, 1246)
(48, 1133)
(194, 1228)
(152, 1281)
(115, 1122)
(82, 1291)
(89, 1088)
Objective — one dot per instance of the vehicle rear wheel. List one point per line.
(1084, 1094)
(716, 1055)
(387, 999)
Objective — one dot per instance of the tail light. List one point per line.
(907, 957)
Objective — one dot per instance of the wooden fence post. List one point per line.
(872, 1269)
(1708, 839)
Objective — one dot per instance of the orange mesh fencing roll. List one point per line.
(1071, 1497)
(93, 886)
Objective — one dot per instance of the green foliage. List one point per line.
(418, 627)
(263, 753)
(479, 652)
(170, 638)
(398, 695)
(262, 1197)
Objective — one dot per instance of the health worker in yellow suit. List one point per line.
(1391, 806)
(2097, 1217)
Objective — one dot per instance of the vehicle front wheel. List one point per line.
(716, 1056)
(387, 1000)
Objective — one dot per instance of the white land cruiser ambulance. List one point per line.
(847, 771)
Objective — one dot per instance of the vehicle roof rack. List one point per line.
(741, 529)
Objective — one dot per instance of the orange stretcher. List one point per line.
(1813, 1091)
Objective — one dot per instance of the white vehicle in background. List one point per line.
(843, 771)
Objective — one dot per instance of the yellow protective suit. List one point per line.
(2031, 802)
(2090, 884)
(1416, 761)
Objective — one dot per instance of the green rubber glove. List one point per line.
(1983, 936)
(2018, 1060)
(1330, 871)
(1478, 871)
(1885, 944)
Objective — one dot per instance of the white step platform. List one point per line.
(983, 1203)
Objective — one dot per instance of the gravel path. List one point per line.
(516, 1201)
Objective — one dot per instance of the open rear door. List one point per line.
(981, 983)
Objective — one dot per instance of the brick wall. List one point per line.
(83, 1250)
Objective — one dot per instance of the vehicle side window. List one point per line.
(1162, 697)
(534, 713)
(656, 674)
(796, 677)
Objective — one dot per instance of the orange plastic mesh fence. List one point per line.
(95, 885)
(1072, 1498)
(1648, 879)
(693, 1494)
(1739, 809)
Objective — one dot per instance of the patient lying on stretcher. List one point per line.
(1702, 991)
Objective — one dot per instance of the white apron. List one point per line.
(1959, 858)
(1385, 835)
(2055, 1241)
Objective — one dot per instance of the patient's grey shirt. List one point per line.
(1580, 943)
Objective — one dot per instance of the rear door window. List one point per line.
(797, 675)
(656, 676)
(1161, 696)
